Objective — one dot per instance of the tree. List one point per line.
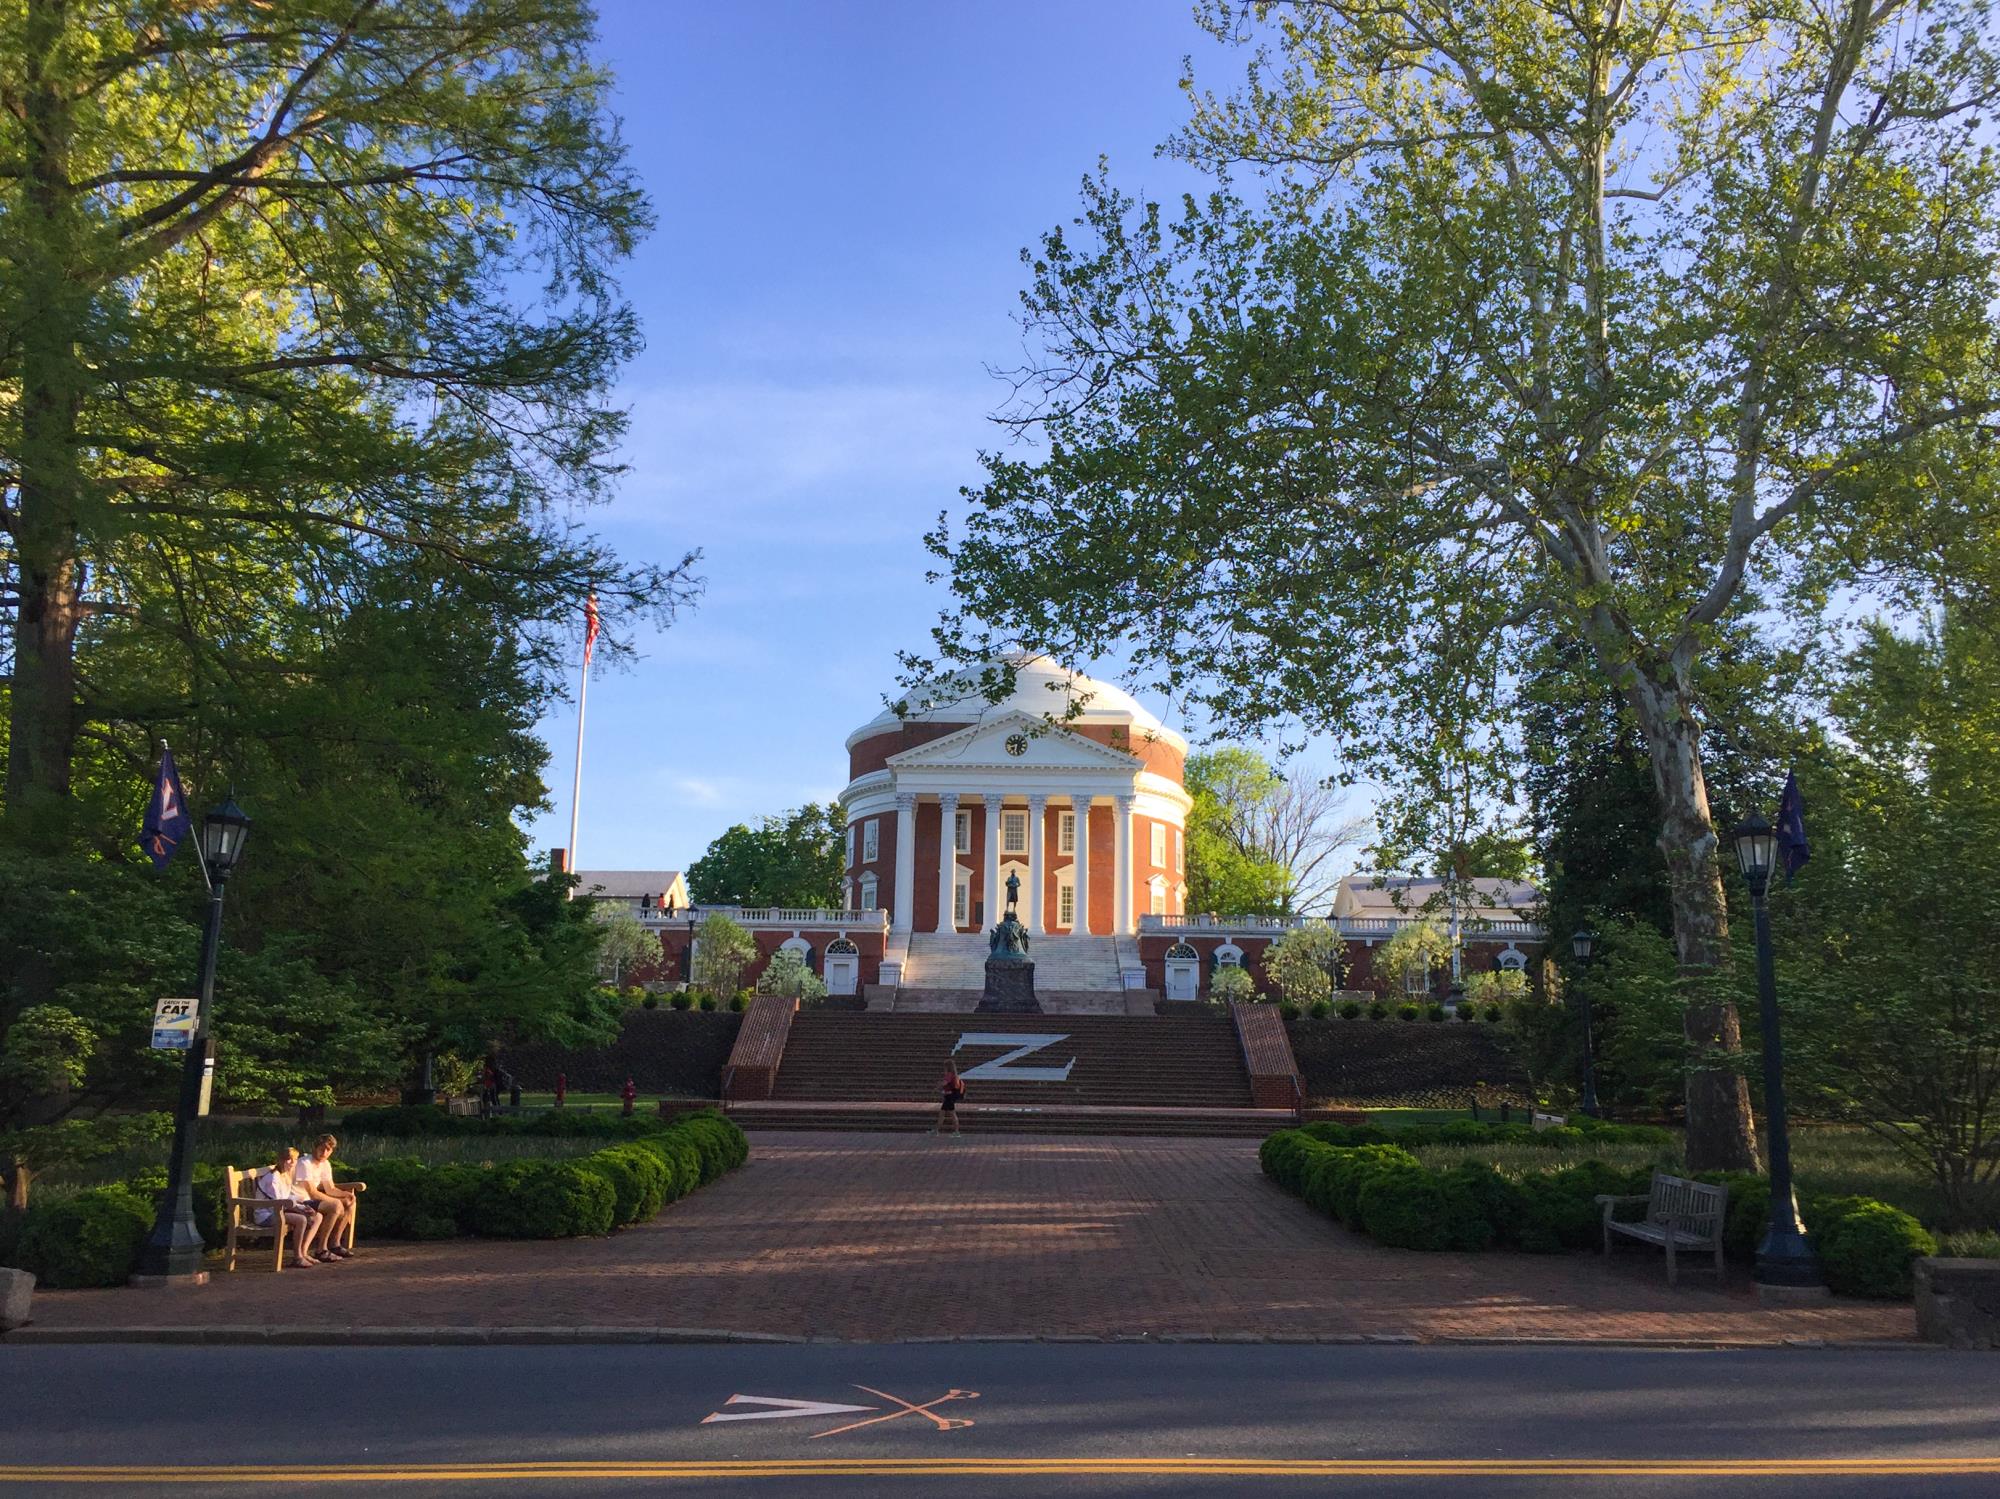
(1891, 935)
(722, 950)
(1415, 950)
(624, 943)
(1301, 963)
(1615, 323)
(270, 332)
(794, 859)
(1259, 844)
(787, 976)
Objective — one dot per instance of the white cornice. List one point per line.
(951, 750)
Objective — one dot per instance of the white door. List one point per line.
(1183, 978)
(843, 973)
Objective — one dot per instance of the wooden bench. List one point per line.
(1680, 1215)
(244, 1201)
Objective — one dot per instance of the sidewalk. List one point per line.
(889, 1237)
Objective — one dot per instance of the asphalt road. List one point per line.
(969, 1420)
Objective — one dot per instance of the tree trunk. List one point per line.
(52, 273)
(1721, 1135)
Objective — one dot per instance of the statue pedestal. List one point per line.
(1010, 988)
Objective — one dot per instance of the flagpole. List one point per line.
(576, 788)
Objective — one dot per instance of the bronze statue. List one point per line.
(1009, 940)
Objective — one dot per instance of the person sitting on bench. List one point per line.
(302, 1219)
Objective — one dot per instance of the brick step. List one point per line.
(984, 1119)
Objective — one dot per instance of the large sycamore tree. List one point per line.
(295, 295)
(1619, 322)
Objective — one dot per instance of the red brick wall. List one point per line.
(1357, 960)
(673, 942)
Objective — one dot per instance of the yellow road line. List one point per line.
(889, 1467)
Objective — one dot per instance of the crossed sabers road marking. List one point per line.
(786, 1409)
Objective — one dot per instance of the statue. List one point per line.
(1010, 972)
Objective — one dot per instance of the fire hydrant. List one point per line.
(562, 1087)
(629, 1093)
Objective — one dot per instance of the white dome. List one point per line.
(1041, 687)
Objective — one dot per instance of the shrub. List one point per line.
(89, 1239)
(708, 1001)
(1288, 1010)
(402, 1121)
(1977, 1244)
(1353, 1171)
(1493, 1014)
(1321, 1009)
(544, 1200)
(1378, 1011)
(738, 1003)
(1231, 981)
(680, 1160)
(1350, 1009)
(1497, 1199)
(1408, 1207)
(1866, 1246)
(638, 1181)
(1299, 963)
(1559, 1209)
(1407, 1012)
(681, 999)
(650, 1002)
(1435, 1012)
(211, 1208)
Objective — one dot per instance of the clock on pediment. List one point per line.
(1017, 745)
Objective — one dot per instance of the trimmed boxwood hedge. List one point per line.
(87, 1239)
(1362, 1176)
(93, 1238)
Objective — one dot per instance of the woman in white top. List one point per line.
(302, 1216)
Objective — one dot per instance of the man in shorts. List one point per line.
(314, 1172)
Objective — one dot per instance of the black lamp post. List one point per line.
(1785, 1257)
(1583, 944)
(687, 953)
(174, 1248)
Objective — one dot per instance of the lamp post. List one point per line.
(1785, 1258)
(173, 1250)
(1583, 944)
(687, 953)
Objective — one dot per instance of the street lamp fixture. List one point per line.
(1786, 1262)
(1583, 944)
(687, 953)
(173, 1251)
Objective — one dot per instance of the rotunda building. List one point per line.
(948, 800)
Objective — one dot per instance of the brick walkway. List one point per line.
(889, 1236)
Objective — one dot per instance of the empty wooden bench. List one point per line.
(1681, 1215)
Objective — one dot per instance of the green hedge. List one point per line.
(87, 1239)
(1362, 1176)
(417, 1121)
(93, 1238)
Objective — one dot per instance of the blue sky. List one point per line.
(842, 193)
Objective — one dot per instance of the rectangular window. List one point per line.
(1066, 905)
(961, 832)
(868, 902)
(961, 903)
(871, 840)
(1159, 845)
(1066, 833)
(1180, 851)
(1014, 832)
(850, 845)
(1159, 901)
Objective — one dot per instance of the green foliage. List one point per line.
(1414, 952)
(1496, 986)
(87, 1239)
(1350, 1009)
(624, 944)
(1866, 1247)
(1231, 981)
(1411, 1208)
(74, 1142)
(1434, 1012)
(1321, 1009)
(1407, 1012)
(46, 1049)
(722, 950)
(1301, 962)
(788, 976)
(794, 859)
(1378, 1011)
(544, 1200)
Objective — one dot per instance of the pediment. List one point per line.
(985, 746)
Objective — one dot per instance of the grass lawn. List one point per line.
(1828, 1159)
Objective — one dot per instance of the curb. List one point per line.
(582, 1336)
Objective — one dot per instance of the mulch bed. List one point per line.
(1402, 1064)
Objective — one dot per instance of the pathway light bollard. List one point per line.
(1787, 1265)
(1584, 944)
(629, 1093)
(173, 1250)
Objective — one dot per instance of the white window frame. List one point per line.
(1013, 832)
(871, 840)
(1180, 850)
(850, 845)
(1066, 833)
(961, 832)
(867, 901)
(1159, 848)
(1066, 903)
(1156, 899)
(961, 899)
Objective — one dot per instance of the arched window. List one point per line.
(1229, 955)
(1180, 952)
(1513, 958)
(803, 948)
(840, 947)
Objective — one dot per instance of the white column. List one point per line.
(993, 901)
(906, 858)
(1121, 882)
(1038, 808)
(1079, 802)
(947, 857)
